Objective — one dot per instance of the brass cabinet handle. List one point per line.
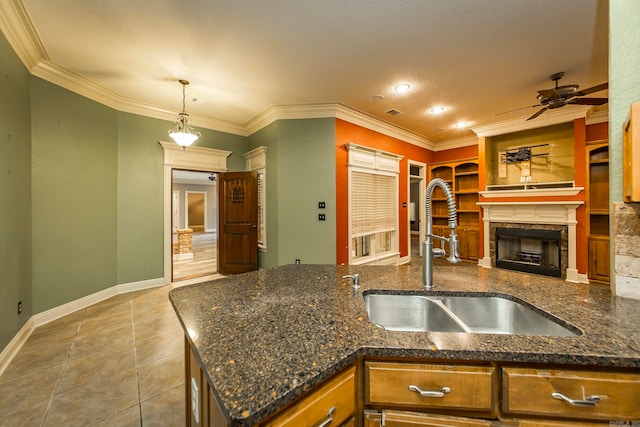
(329, 419)
(589, 401)
(427, 393)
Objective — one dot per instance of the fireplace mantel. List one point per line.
(557, 212)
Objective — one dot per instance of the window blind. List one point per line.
(373, 203)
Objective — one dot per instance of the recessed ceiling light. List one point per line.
(437, 110)
(461, 125)
(402, 87)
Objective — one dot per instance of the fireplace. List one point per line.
(529, 250)
(556, 216)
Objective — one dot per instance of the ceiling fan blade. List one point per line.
(542, 110)
(593, 89)
(518, 109)
(589, 101)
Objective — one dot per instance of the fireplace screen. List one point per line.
(530, 251)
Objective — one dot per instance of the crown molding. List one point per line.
(338, 111)
(457, 143)
(17, 27)
(597, 114)
(550, 118)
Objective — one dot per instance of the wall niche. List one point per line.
(536, 156)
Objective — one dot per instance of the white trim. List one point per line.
(193, 158)
(557, 213)
(16, 343)
(422, 197)
(569, 191)
(551, 117)
(55, 313)
(404, 260)
(464, 141)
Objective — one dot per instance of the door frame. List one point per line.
(193, 158)
(422, 196)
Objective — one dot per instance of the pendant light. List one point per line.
(181, 132)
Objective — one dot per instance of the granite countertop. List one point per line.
(268, 336)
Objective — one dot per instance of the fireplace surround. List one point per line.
(556, 215)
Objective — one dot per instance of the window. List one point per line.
(256, 160)
(262, 234)
(373, 195)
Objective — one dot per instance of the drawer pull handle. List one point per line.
(329, 419)
(589, 401)
(427, 393)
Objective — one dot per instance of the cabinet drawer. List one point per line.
(531, 391)
(458, 387)
(336, 396)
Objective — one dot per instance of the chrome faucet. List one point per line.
(429, 252)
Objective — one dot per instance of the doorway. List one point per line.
(417, 196)
(194, 224)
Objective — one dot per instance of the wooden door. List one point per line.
(238, 223)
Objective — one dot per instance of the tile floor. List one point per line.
(115, 363)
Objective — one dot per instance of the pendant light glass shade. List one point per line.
(181, 132)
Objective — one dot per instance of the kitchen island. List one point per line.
(264, 339)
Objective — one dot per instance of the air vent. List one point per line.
(394, 112)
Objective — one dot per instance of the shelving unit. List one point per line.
(597, 207)
(462, 177)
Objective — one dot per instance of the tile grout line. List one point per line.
(64, 366)
(135, 358)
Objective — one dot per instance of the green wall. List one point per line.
(15, 193)
(301, 172)
(624, 80)
(268, 137)
(140, 252)
(74, 189)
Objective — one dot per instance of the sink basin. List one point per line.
(409, 313)
(480, 314)
(496, 315)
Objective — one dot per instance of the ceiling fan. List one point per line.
(560, 96)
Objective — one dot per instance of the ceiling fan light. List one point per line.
(437, 110)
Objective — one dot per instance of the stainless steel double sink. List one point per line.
(476, 314)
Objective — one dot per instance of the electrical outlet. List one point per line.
(19, 307)
(297, 261)
(320, 217)
(321, 205)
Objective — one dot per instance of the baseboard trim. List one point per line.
(404, 260)
(16, 343)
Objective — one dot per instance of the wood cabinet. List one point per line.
(597, 207)
(461, 387)
(416, 419)
(335, 400)
(462, 178)
(564, 393)
(631, 155)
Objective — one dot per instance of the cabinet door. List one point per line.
(469, 244)
(416, 419)
(334, 400)
(599, 258)
(548, 392)
(430, 386)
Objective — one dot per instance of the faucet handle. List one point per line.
(454, 255)
(355, 277)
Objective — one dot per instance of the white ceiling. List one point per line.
(475, 57)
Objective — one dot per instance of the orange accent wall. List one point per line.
(348, 132)
(468, 152)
